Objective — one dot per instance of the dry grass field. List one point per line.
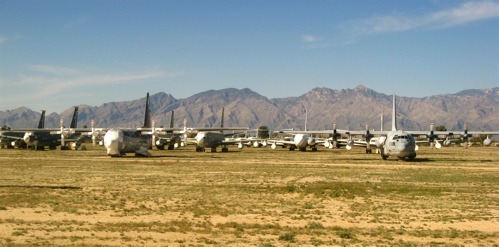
(253, 197)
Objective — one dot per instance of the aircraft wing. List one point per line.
(165, 130)
(11, 137)
(281, 142)
(231, 142)
(216, 129)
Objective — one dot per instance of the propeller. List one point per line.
(96, 134)
(350, 141)
(368, 137)
(154, 133)
(465, 136)
(335, 136)
(64, 132)
(431, 137)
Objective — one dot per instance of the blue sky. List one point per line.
(58, 54)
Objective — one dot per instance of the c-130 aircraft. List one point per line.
(399, 143)
(119, 141)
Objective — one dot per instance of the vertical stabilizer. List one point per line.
(171, 119)
(74, 121)
(382, 120)
(147, 117)
(41, 123)
(222, 122)
(394, 115)
(306, 119)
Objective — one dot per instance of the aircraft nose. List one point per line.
(201, 142)
(407, 147)
(111, 142)
(28, 137)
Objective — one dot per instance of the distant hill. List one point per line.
(350, 108)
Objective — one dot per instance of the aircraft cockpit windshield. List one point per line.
(402, 137)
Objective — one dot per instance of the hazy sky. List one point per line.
(57, 54)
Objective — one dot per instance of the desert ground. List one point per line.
(249, 197)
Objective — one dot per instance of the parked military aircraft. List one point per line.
(300, 139)
(213, 137)
(40, 137)
(401, 144)
(119, 141)
(170, 140)
(11, 139)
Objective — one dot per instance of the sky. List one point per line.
(56, 54)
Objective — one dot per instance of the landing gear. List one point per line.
(412, 157)
(199, 149)
(225, 149)
(383, 156)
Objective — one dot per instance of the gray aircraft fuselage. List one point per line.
(399, 144)
(121, 141)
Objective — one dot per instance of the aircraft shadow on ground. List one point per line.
(42, 187)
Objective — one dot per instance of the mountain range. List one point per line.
(350, 108)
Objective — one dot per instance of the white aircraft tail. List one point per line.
(306, 119)
(382, 120)
(394, 115)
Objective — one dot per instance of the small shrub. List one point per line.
(287, 237)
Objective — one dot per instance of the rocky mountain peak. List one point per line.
(351, 108)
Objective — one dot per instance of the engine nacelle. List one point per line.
(311, 141)
(380, 141)
(16, 143)
(327, 144)
(256, 144)
(438, 145)
(487, 142)
(161, 142)
(240, 146)
(273, 146)
(447, 143)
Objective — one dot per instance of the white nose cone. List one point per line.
(112, 140)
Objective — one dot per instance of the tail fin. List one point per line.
(222, 122)
(147, 117)
(382, 120)
(74, 121)
(394, 115)
(41, 123)
(171, 119)
(306, 119)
